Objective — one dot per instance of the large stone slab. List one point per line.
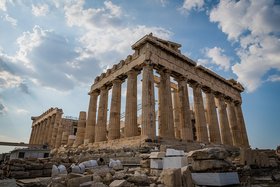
(215, 179)
(156, 164)
(174, 152)
(174, 162)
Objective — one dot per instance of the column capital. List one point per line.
(117, 81)
(131, 72)
(148, 63)
(194, 84)
(164, 71)
(94, 93)
(180, 78)
(228, 99)
(237, 102)
(206, 89)
(104, 87)
(218, 94)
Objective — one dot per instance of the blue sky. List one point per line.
(51, 51)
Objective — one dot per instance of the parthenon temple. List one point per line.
(179, 100)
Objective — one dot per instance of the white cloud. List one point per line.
(46, 59)
(274, 78)
(22, 111)
(106, 37)
(189, 5)
(255, 26)
(3, 5)
(217, 57)
(9, 19)
(40, 10)
(203, 62)
(8, 80)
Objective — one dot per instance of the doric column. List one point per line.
(176, 113)
(80, 129)
(64, 139)
(165, 107)
(235, 131)
(59, 135)
(185, 113)
(45, 131)
(52, 120)
(91, 119)
(224, 124)
(35, 140)
(55, 128)
(200, 120)
(100, 128)
(40, 137)
(131, 126)
(148, 103)
(38, 133)
(115, 111)
(213, 124)
(241, 124)
(48, 127)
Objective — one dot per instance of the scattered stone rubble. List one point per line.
(137, 167)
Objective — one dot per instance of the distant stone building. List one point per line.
(51, 129)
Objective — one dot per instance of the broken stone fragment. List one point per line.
(171, 177)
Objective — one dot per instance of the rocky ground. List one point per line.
(133, 169)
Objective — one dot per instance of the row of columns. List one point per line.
(47, 131)
(174, 121)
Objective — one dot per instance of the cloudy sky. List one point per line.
(51, 51)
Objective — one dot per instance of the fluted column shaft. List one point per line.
(165, 107)
(214, 129)
(115, 111)
(35, 141)
(59, 135)
(64, 139)
(185, 113)
(41, 129)
(52, 120)
(91, 119)
(131, 126)
(200, 120)
(80, 129)
(241, 124)
(176, 113)
(38, 133)
(226, 136)
(55, 129)
(235, 131)
(45, 131)
(100, 128)
(148, 103)
(48, 126)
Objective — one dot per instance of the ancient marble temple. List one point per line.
(213, 116)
